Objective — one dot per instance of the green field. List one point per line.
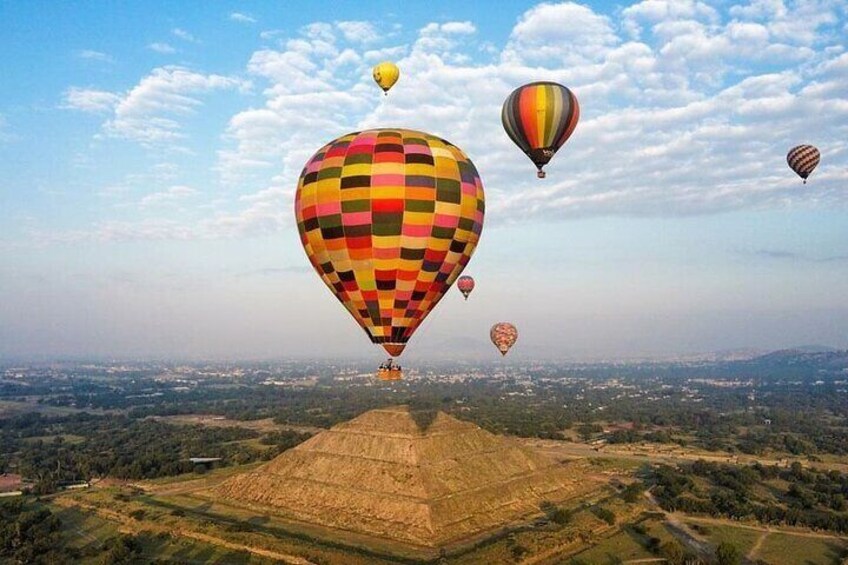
(625, 545)
(84, 530)
(743, 538)
(787, 548)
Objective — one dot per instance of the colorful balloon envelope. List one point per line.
(803, 159)
(385, 75)
(465, 284)
(539, 117)
(504, 335)
(389, 218)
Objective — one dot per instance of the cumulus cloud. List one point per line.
(149, 113)
(89, 100)
(685, 109)
(558, 35)
(358, 31)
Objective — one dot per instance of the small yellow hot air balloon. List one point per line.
(386, 75)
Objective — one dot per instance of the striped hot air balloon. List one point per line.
(503, 335)
(465, 284)
(803, 159)
(389, 218)
(539, 117)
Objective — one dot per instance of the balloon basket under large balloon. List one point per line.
(388, 371)
(541, 174)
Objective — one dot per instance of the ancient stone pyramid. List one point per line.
(424, 484)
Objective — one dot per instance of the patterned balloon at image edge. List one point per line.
(465, 284)
(389, 218)
(503, 335)
(803, 159)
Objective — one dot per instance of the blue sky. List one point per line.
(149, 153)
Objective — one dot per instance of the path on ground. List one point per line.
(752, 554)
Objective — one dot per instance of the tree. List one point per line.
(728, 554)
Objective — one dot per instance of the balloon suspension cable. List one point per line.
(541, 174)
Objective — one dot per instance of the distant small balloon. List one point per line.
(504, 335)
(465, 284)
(385, 74)
(803, 159)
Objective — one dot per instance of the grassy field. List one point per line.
(788, 548)
(626, 545)
(85, 530)
(742, 538)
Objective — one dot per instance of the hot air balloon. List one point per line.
(389, 218)
(504, 335)
(539, 117)
(803, 159)
(465, 284)
(385, 75)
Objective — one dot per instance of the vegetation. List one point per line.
(122, 447)
(795, 496)
(29, 534)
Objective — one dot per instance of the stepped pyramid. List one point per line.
(390, 475)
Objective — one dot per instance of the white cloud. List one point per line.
(358, 32)
(184, 35)
(89, 100)
(242, 18)
(694, 116)
(91, 55)
(558, 35)
(162, 48)
(149, 112)
(461, 28)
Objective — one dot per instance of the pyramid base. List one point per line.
(387, 476)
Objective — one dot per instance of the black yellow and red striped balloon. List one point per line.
(539, 117)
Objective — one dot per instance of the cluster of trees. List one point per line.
(123, 447)
(29, 534)
(813, 498)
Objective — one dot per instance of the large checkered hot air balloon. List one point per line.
(803, 159)
(539, 117)
(389, 218)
